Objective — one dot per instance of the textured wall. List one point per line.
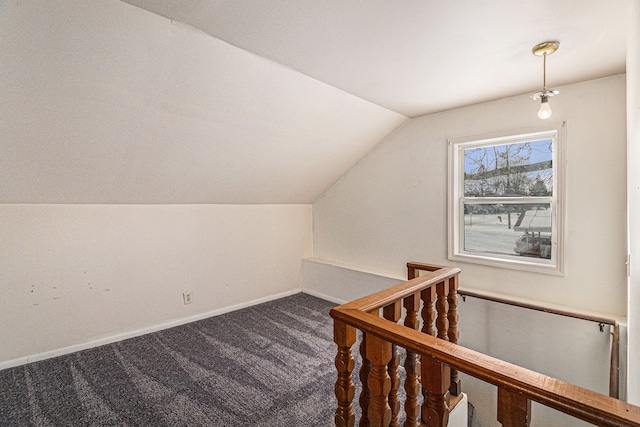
(392, 208)
(72, 274)
(103, 102)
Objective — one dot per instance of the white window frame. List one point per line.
(456, 251)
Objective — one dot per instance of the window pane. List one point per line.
(509, 170)
(514, 229)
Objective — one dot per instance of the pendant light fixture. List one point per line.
(544, 49)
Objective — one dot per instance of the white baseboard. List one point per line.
(323, 296)
(131, 334)
(339, 283)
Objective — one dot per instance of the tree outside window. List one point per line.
(503, 201)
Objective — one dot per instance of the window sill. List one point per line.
(513, 263)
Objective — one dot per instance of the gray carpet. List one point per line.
(267, 365)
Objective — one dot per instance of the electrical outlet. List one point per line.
(187, 297)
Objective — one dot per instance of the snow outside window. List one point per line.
(504, 207)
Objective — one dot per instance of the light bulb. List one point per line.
(545, 109)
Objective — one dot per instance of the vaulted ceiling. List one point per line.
(419, 56)
(218, 101)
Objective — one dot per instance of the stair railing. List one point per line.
(414, 269)
(433, 360)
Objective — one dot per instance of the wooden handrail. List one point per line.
(614, 329)
(573, 400)
(536, 307)
(411, 266)
(388, 296)
(516, 385)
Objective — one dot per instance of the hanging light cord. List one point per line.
(544, 72)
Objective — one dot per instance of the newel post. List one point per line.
(344, 336)
(435, 380)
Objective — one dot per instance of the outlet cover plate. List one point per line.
(187, 297)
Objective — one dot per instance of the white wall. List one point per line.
(392, 208)
(633, 185)
(340, 283)
(103, 102)
(72, 276)
(572, 350)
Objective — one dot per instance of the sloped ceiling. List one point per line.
(420, 56)
(212, 101)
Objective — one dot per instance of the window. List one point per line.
(504, 205)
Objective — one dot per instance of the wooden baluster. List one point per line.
(365, 369)
(344, 336)
(428, 316)
(393, 312)
(379, 353)
(435, 381)
(428, 297)
(452, 299)
(412, 365)
(365, 394)
(514, 409)
(442, 308)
